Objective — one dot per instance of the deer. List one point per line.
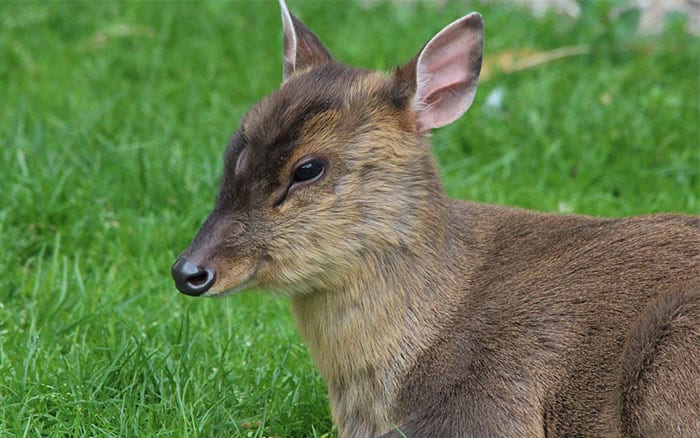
(428, 316)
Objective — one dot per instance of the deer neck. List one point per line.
(367, 332)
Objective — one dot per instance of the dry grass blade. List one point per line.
(511, 61)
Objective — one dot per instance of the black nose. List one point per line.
(190, 279)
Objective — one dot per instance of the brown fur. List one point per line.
(442, 317)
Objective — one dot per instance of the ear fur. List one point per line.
(302, 49)
(445, 73)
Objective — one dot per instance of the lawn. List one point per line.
(113, 120)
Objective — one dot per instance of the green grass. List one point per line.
(113, 119)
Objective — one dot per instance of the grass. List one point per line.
(112, 124)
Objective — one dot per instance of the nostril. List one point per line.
(198, 279)
(191, 279)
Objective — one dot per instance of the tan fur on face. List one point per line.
(317, 135)
(358, 142)
(233, 275)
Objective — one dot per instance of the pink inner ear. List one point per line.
(447, 73)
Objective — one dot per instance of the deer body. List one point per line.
(428, 316)
(548, 360)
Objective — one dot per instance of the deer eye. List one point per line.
(308, 171)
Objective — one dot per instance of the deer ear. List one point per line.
(446, 73)
(302, 49)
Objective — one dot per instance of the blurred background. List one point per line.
(113, 120)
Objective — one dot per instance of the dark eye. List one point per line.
(307, 171)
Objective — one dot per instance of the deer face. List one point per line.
(303, 182)
(328, 169)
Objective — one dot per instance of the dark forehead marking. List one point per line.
(276, 122)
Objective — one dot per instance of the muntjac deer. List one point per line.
(432, 317)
